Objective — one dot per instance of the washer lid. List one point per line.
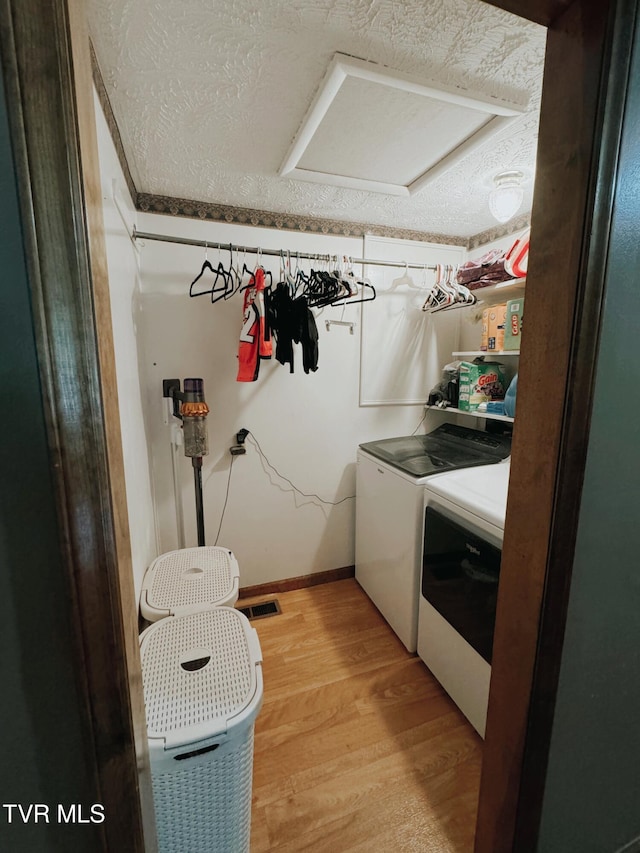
(444, 449)
(481, 491)
(199, 675)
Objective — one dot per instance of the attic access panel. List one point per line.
(370, 128)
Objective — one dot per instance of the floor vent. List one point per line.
(262, 610)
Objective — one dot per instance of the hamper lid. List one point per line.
(201, 675)
(188, 579)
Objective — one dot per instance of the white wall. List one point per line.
(123, 278)
(309, 426)
(403, 348)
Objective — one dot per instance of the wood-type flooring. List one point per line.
(357, 747)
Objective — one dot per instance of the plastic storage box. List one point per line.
(189, 580)
(202, 679)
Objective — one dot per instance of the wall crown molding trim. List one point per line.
(170, 206)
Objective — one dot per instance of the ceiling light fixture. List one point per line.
(506, 197)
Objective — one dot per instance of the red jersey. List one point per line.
(255, 340)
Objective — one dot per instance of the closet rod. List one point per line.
(185, 241)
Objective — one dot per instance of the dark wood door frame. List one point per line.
(47, 74)
(586, 68)
(46, 62)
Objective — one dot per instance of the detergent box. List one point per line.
(484, 338)
(496, 325)
(481, 382)
(513, 324)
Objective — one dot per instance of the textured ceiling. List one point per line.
(208, 95)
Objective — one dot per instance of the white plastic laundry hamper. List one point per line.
(189, 580)
(202, 679)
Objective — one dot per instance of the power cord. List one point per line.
(298, 491)
(420, 424)
(226, 498)
(264, 457)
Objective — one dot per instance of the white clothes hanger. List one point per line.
(438, 297)
(404, 280)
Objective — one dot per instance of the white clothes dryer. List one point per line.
(463, 528)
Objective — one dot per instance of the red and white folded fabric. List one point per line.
(517, 258)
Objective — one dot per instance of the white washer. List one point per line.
(463, 528)
(389, 541)
(389, 511)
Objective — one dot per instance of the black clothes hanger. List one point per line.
(323, 288)
(245, 269)
(205, 266)
(219, 272)
(235, 276)
(268, 278)
(300, 283)
(251, 273)
(358, 301)
(228, 275)
(227, 290)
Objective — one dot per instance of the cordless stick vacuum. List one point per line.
(190, 407)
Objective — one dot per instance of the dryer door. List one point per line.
(460, 574)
